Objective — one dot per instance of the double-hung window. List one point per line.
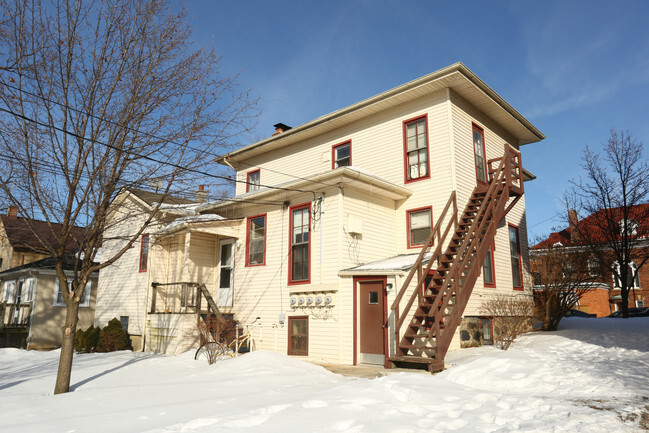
(515, 253)
(300, 244)
(58, 295)
(342, 155)
(144, 252)
(420, 223)
(256, 244)
(416, 149)
(253, 180)
(632, 279)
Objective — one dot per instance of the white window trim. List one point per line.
(636, 278)
(85, 302)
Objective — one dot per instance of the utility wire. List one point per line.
(146, 157)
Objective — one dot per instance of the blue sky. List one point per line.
(575, 69)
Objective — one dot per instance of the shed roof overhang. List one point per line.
(457, 77)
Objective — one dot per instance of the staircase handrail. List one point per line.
(440, 242)
(501, 177)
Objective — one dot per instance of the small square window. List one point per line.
(419, 226)
(374, 297)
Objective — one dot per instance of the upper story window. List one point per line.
(420, 223)
(144, 252)
(253, 180)
(415, 144)
(479, 154)
(256, 242)
(632, 278)
(342, 155)
(515, 253)
(628, 227)
(488, 271)
(299, 259)
(593, 267)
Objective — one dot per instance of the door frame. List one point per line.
(383, 280)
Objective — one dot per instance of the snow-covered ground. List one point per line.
(591, 376)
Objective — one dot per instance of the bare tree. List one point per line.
(562, 275)
(614, 193)
(512, 316)
(100, 95)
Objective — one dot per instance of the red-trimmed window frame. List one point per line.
(520, 257)
(255, 185)
(291, 280)
(493, 268)
(408, 230)
(144, 252)
(291, 347)
(333, 153)
(248, 226)
(478, 129)
(406, 166)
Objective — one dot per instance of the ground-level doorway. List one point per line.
(371, 323)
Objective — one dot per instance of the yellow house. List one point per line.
(327, 244)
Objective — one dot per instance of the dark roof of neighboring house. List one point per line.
(47, 263)
(594, 229)
(153, 197)
(21, 236)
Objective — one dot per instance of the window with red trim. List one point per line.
(342, 155)
(300, 243)
(420, 223)
(256, 240)
(479, 154)
(253, 180)
(298, 335)
(144, 252)
(515, 253)
(488, 270)
(415, 143)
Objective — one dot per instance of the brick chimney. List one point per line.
(12, 212)
(575, 238)
(201, 194)
(280, 127)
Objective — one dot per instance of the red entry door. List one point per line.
(372, 319)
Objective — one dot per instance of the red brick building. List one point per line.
(581, 233)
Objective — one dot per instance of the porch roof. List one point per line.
(392, 265)
(354, 177)
(204, 223)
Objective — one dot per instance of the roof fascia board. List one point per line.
(457, 68)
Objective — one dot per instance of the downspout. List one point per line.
(321, 199)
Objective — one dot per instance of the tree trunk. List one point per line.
(625, 302)
(67, 348)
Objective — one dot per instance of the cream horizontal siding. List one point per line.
(47, 319)
(377, 146)
(122, 288)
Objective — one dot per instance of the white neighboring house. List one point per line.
(328, 238)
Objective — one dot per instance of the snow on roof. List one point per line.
(401, 262)
(180, 222)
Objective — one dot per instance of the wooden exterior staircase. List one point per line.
(426, 324)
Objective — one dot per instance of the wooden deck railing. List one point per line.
(15, 315)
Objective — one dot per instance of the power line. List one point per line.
(146, 157)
